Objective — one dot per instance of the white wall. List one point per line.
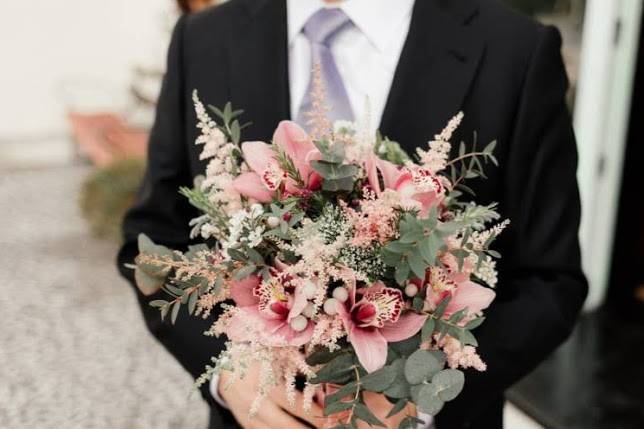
(602, 111)
(44, 43)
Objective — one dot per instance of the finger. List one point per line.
(275, 417)
(314, 416)
(256, 424)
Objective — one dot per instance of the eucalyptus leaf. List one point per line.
(421, 366)
(402, 272)
(343, 392)
(337, 185)
(411, 422)
(489, 149)
(390, 259)
(337, 407)
(415, 391)
(364, 413)
(458, 316)
(244, 272)
(467, 338)
(405, 348)
(146, 245)
(174, 290)
(235, 132)
(449, 383)
(428, 329)
(255, 256)
(440, 308)
(147, 284)
(493, 253)
(418, 303)
(398, 407)
(236, 255)
(336, 370)
(417, 264)
(474, 323)
(429, 247)
(400, 388)
(428, 400)
(192, 302)
(398, 247)
(379, 380)
(321, 356)
(175, 311)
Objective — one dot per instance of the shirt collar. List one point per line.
(378, 20)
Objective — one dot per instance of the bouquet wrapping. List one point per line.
(334, 256)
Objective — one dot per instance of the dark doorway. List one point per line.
(626, 287)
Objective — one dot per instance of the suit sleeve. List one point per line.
(163, 214)
(541, 285)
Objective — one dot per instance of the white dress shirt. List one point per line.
(366, 54)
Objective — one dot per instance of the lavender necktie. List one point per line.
(320, 29)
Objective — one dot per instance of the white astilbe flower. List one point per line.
(435, 159)
(244, 227)
(328, 330)
(487, 271)
(460, 356)
(478, 239)
(452, 125)
(363, 140)
(211, 136)
(276, 365)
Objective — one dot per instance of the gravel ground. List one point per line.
(74, 351)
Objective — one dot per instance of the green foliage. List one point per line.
(469, 165)
(390, 150)
(286, 163)
(421, 366)
(445, 386)
(150, 277)
(107, 193)
(337, 175)
(231, 126)
(338, 370)
(416, 249)
(400, 388)
(199, 199)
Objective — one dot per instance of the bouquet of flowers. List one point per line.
(335, 257)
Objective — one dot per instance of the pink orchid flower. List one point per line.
(266, 310)
(376, 319)
(267, 176)
(464, 293)
(418, 188)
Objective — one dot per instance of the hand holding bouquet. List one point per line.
(338, 259)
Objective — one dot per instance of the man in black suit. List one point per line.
(502, 69)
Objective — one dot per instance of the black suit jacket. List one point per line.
(502, 69)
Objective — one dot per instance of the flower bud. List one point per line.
(310, 289)
(341, 294)
(331, 306)
(308, 310)
(411, 290)
(299, 323)
(273, 222)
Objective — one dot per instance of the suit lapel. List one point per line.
(259, 67)
(435, 71)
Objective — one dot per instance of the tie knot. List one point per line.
(324, 24)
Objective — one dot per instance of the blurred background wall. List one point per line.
(57, 53)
